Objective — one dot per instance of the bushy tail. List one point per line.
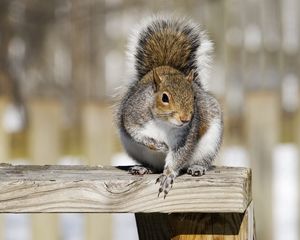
(170, 41)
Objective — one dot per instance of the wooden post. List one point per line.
(97, 127)
(233, 62)
(45, 126)
(1, 227)
(44, 149)
(262, 124)
(4, 137)
(196, 226)
(297, 130)
(45, 226)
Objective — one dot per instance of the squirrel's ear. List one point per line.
(157, 79)
(191, 76)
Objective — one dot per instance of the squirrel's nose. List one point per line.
(185, 118)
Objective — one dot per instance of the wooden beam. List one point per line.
(111, 190)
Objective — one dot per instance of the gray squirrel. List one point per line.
(166, 118)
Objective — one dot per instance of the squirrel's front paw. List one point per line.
(157, 146)
(166, 183)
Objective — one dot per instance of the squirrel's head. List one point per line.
(174, 97)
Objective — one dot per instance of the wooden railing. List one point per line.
(216, 204)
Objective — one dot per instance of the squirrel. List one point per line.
(167, 120)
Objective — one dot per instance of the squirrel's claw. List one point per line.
(159, 191)
(157, 180)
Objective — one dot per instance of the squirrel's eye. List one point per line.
(165, 98)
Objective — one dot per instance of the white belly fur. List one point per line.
(163, 132)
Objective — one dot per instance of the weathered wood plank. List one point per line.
(109, 189)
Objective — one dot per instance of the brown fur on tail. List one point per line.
(170, 41)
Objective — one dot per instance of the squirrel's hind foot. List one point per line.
(140, 170)
(196, 170)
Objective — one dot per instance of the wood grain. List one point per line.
(110, 189)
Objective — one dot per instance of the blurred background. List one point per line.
(61, 61)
